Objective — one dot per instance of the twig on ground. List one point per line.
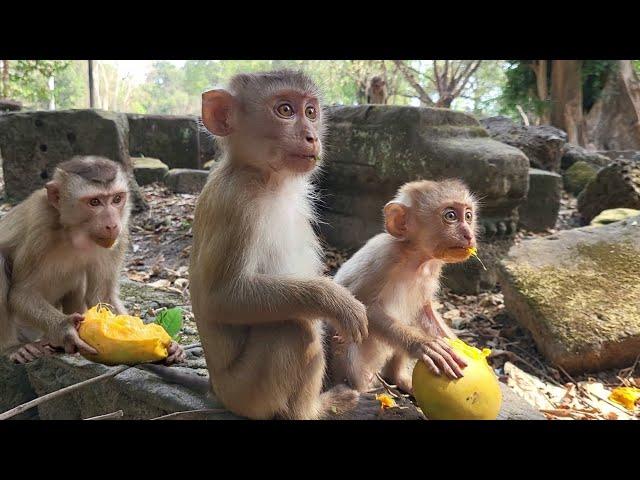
(107, 416)
(190, 412)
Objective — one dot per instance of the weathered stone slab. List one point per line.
(574, 153)
(615, 186)
(148, 170)
(542, 144)
(7, 105)
(33, 143)
(577, 176)
(614, 215)
(15, 389)
(624, 154)
(171, 138)
(578, 293)
(539, 211)
(186, 180)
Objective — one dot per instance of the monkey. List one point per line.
(258, 295)
(377, 91)
(396, 276)
(61, 251)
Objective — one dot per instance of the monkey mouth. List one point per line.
(455, 254)
(105, 242)
(301, 162)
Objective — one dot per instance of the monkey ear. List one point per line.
(396, 219)
(53, 193)
(217, 106)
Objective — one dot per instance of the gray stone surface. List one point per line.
(15, 389)
(577, 176)
(624, 154)
(186, 180)
(542, 144)
(574, 153)
(148, 170)
(7, 105)
(33, 143)
(578, 293)
(171, 138)
(540, 211)
(615, 186)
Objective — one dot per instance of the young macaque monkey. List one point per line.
(377, 90)
(61, 251)
(396, 274)
(258, 295)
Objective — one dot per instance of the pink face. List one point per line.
(283, 130)
(104, 214)
(455, 233)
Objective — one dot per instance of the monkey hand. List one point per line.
(438, 354)
(71, 340)
(350, 317)
(176, 354)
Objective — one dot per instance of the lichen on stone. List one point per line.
(591, 298)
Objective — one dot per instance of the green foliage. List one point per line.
(594, 76)
(171, 321)
(520, 89)
(28, 80)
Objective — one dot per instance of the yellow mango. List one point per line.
(627, 396)
(122, 339)
(475, 396)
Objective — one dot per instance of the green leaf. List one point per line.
(171, 321)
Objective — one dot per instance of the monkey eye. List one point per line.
(285, 110)
(450, 216)
(117, 198)
(94, 202)
(468, 216)
(310, 112)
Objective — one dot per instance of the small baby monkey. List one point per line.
(396, 276)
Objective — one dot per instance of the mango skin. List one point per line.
(122, 339)
(476, 396)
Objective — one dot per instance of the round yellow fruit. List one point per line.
(475, 396)
(122, 339)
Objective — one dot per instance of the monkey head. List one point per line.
(269, 121)
(377, 84)
(90, 195)
(435, 218)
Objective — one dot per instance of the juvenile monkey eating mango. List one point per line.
(396, 276)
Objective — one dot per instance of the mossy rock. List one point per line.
(148, 170)
(578, 176)
(614, 215)
(578, 293)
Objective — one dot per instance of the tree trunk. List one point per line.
(5, 79)
(92, 90)
(613, 123)
(566, 99)
(540, 68)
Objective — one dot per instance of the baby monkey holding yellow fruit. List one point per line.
(396, 276)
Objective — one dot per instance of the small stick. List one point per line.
(58, 393)
(63, 391)
(587, 393)
(107, 416)
(188, 412)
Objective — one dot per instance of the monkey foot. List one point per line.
(339, 399)
(30, 352)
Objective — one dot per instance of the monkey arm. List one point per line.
(432, 323)
(36, 311)
(392, 331)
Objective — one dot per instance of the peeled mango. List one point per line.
(475, 396)
(122, 339)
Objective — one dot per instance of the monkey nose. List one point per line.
(112, 230)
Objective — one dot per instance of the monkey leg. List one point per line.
(277, 374)
(395, 372)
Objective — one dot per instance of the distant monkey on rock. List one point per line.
(61, 251)
(396, 275)
(377, 90)
(258, 295)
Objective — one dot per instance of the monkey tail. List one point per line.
(190, 380)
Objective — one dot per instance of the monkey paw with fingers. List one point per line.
(438, 355)
(176, 354)
(30, 352)
(71, 340)
(351, 321)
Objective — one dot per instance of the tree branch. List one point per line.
(422, 94)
